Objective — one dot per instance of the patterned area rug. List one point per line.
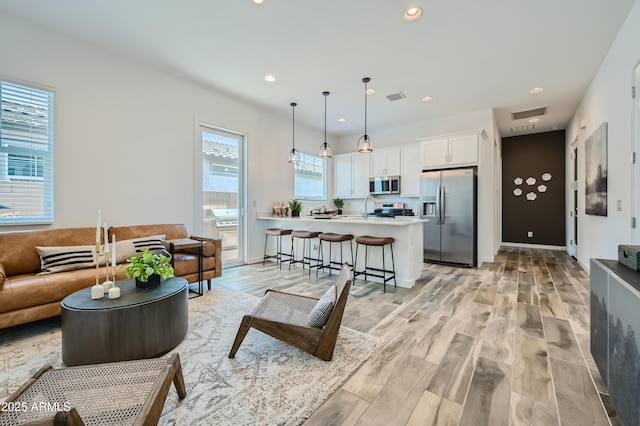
(268, 382)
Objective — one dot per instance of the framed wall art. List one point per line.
(595, 174)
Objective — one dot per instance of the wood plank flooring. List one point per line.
(505, 344)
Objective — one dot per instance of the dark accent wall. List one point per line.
(537, 209)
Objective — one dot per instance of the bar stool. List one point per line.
(278, 233)
(306, 260)
(368, 241)
(331, 237)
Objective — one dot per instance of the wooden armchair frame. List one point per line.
(319, 342)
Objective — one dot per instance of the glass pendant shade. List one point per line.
(364, 143)
(325, 149)
(293, 154)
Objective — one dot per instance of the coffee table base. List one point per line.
(142, 330)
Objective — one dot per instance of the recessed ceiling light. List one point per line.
(371, 91)
(270, 78)
(258, 1)
(534, 120)
(536, 90)
(412, 13)
(342, 120)
(427, 99)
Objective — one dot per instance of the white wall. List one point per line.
(476, 120)
(608, 99)
(124, 134)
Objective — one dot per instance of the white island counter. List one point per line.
(407, 248)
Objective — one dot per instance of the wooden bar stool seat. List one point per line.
(331, 238)
(306, 259)
(278, 233)
(384, 273)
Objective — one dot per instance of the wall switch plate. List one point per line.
(619, 205)
(530, 234)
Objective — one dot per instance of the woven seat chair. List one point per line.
(285, 316)
(123, 393)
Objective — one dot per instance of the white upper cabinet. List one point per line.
(460, 149)
(351, 174)
(410, 171)
(385, 162)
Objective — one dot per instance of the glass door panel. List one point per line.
(222, 191)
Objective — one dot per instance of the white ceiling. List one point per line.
(466, 54)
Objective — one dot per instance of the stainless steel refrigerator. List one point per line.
(448, 200)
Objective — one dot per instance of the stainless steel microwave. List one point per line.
(384, 185)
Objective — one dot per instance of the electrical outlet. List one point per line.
(530, 234)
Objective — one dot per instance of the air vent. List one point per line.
(396, 96)
(521, 129)
(530, 113)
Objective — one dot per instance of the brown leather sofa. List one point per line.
(26, 296)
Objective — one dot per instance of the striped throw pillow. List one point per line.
(320, 313)
(152, 243)
(65, 258)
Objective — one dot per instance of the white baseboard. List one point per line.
(537, 246)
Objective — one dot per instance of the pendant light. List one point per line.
(293, 155)
(325, 149)
(364, 143)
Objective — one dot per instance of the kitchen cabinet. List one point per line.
(614, 326)
(410, 169)
(454, 150)
(351, 175)
(385, 162)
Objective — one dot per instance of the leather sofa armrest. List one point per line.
(3, 275)
(210, 246)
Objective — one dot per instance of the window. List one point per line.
(310, 177)
(26, 154)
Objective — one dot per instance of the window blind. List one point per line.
(310, 177)
(26, 154)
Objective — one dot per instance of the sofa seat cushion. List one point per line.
(26, 290)
(186, 263)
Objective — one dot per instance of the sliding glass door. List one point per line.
(222, 194)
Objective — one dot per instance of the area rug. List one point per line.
(267, 383)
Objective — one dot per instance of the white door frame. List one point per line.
(635, 149)
(572, 247)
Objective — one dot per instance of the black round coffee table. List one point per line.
(140, 324)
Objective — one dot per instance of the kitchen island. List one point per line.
(407, 248)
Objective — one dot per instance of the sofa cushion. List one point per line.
(21, 256)
(65, 258)
(170, 231)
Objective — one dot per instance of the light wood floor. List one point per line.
(505, 344)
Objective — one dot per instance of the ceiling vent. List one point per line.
(396, 96)
(529, 113)
(521, 129)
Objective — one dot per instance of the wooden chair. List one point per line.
(285, 317)
(128, 392)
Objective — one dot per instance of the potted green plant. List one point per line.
(147, 268)
(296, 207)
(339, 203)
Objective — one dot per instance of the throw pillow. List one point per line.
(126, 249)
(320, 313)
(65, 258)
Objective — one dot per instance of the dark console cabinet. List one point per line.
(615, 333)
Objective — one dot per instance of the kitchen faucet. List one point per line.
(365, 204)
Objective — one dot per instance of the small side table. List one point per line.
(187, 243)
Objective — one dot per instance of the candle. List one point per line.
(106, 243)
(98, 228)
(113, 256)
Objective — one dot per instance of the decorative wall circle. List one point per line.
(531, 196)
(517, 192)
(531, 181)
(542, 188)
(546, 177)
(518, 181)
